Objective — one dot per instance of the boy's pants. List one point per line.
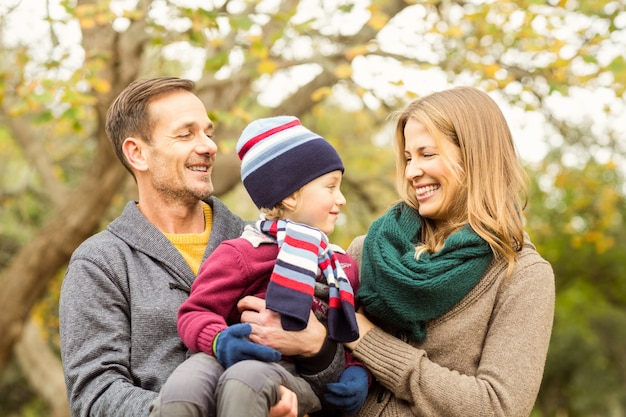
(200, 387)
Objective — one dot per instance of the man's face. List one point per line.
(182, 153)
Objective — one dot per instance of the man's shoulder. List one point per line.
(99, 245)
(107, 241)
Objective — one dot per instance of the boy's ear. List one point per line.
(135, 152)
(291, 202)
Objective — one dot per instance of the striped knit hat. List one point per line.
(279, 156)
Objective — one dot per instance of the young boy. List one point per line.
(294, 177)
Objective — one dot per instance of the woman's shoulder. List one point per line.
(532, 273)
(529, 256)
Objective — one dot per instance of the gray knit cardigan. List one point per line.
(118, 310)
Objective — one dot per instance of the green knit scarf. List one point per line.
(405, 292)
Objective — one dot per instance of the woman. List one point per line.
(457, 303)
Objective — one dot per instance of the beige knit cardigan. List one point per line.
(485, 357)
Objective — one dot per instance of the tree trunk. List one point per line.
(42, 368)
(24, 281)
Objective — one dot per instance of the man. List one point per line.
(123, 286)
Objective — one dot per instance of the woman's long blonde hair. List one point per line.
(493, 189)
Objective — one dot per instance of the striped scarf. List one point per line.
(303, 250)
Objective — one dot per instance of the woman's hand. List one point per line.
(364, 326)
(287, 406)
(267, 330)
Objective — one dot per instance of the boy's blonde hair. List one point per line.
(279, 211)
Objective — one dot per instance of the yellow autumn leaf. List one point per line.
(133, 14)
(491, 70)
(85, 10)
(343, 71)
(355, 51)
(267, 66)
(321, 93)
(100, 85)
(455, 32)
(103, 19)
(259, 50)
(378, 20)
(87, 23)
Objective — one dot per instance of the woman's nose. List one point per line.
(413, 171)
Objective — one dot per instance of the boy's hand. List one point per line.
(350, 392)
(232, 345)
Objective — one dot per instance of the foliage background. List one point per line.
(342, 66)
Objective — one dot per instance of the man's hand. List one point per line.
(267, 330)
(287, 406)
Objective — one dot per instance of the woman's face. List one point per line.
(435, 185)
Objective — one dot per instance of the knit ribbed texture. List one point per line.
(376, 348)
(117, 304)
(397, 288)
(279, 156)
(484, 357)
(192, 245)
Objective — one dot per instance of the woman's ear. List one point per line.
(135, 152)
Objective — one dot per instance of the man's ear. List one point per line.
(135, 152)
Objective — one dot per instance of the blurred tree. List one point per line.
(341, 66)
(577, 221)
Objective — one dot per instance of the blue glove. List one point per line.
(350, 392)
(232, 345)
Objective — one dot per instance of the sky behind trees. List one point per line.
(380, 75)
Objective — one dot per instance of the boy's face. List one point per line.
(318, 203)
